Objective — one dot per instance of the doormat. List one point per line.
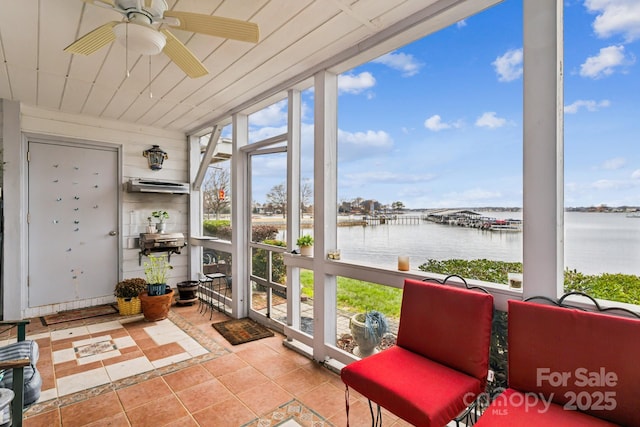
(78, 314)
(239, 331)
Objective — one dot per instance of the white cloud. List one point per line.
(461, 24)
(435, 123)
(404, 62)
(355, 84)
(272, 115)
(635, 174)
(605, 62)
(490, 120)
(509, 66)
(370, 138)
(614, 163)
(266, 132)
(359, 145)
(616, 17)
(588, 104)
(607, 184)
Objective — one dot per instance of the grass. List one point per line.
(358, 296)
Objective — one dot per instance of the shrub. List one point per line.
(259, 262)
(130, 288)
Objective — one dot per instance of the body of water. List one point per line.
(595, 243)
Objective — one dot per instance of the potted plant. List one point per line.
(156, 300)
(127, 293)
(161, 216)
(305, 243)
(151, 228)
(367, 330)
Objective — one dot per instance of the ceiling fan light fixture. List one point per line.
(142, 39)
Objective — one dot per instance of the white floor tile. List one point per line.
(192, 347)
(124, 342)
(129, 368)
(106, 326)
(82, 381)
(69, 333)
(171, 359)
(64, 355)
(48, 394)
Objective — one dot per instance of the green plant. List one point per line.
(375, 324)
(305, 240)
(161, 215)
(130, 288)
(157, 269)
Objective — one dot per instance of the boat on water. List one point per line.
(508, 225)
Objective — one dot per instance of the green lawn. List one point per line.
(358, 296)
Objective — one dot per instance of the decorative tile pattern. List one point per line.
(291, 414)
(175, 342)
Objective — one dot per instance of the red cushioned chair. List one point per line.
(569, 367)
(440, 362)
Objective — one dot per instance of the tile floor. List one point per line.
(175, 382)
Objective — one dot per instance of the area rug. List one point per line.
(239, 331)
(291, 414)
(80, 313)
(95, 359)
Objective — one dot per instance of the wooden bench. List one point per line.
(569, 367)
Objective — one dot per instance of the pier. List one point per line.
(391, 219)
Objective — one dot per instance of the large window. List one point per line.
(430, 147)
(602, 158)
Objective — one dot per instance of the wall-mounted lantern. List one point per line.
(156, 156)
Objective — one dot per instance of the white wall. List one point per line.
(134, 207)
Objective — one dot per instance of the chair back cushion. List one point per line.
(586, 361)
(32, 379)
(449, 325)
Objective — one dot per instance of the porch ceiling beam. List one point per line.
(206, 159)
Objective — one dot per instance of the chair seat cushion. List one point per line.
(419, 390)
(32, 378)
(514, 408)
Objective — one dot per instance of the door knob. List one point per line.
(113, 233)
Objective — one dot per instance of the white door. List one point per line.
(73, 222)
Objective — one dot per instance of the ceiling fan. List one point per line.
(140, 30)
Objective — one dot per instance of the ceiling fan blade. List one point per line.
(216, 26)
(183, 57)
(91, 42)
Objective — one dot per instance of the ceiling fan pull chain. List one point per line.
(126, 48)
(150, 93)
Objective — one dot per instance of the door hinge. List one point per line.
(28, 156)
(28, 281)
(28, 218)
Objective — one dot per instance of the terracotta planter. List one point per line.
(157, 307)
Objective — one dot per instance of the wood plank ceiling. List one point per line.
(295, 35)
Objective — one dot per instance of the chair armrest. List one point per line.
(15, 363)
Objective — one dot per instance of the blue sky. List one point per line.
(438, 123)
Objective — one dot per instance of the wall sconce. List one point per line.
(156, 156)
